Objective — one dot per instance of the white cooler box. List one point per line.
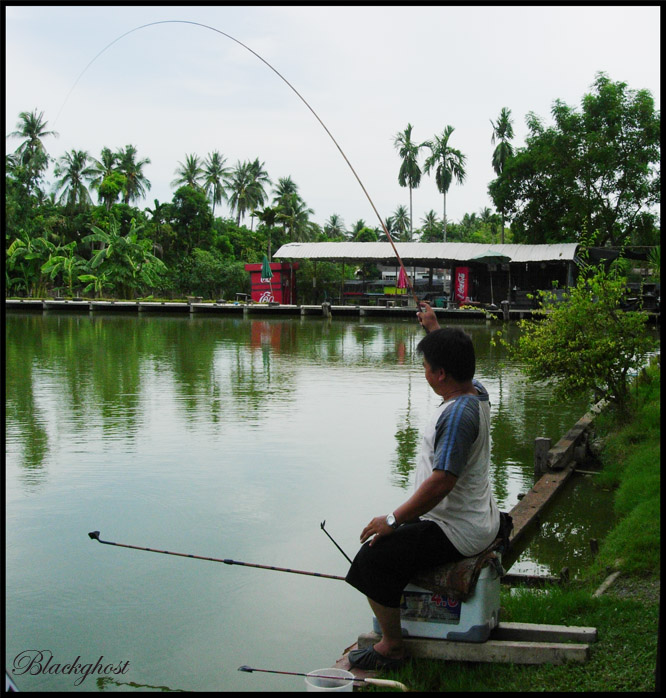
(427, 614)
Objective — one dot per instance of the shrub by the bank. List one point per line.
(584, 345)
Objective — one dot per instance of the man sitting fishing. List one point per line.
(452, 513)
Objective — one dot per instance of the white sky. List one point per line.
(176, 89)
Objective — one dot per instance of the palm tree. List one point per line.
(334, 228)
(191, 173)
(401, 222)
(469, 224)
(107, 180)
(71, 170)
(490, 220)
(430, 226)
(502, 132)
(268, 217)
(285, 200)
(285, 186)
(237, 185)
(448, 163)
(159, 215)
(32, 154)
(136, 183)
(390, 228)
(410, 172)
(295, 215)
(214, 172)
(246, 188)
(32, 128)
(357, 228)
(258, 178)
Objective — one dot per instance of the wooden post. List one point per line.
(541, 448)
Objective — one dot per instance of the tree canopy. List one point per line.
(596, 167)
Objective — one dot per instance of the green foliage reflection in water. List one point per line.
(104, 683)
(407, 437)
(221, 369)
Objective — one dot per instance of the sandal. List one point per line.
(370, 660)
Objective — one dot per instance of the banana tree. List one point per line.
(96, 283)
(126, 260)
(26, 256)
(67, 265)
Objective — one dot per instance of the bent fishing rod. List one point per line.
(95, 536)
(298, 94)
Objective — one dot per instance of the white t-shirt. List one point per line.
(457, 439)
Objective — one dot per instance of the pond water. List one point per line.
(229, 438)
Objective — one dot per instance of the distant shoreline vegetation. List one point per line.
(568, 178)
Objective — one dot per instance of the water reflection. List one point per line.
(105, 374)
(226, 437)
(580, 514)
(92, 380)
(407, 438)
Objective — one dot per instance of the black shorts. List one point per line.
(382, 571)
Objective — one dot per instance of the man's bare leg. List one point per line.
(391, 644)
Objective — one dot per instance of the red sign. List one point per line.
(461, 284)
(281, 287)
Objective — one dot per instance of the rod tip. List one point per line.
(94, 535)
(247, 669)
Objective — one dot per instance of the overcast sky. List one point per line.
(176, 89)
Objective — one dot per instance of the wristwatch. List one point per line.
(390, 521)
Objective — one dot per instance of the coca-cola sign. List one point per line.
(461, 284)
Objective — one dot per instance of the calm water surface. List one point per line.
(231, 438)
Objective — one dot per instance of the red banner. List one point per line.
(461, 284)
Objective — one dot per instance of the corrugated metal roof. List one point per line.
(424, 253)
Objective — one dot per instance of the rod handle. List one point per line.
(386, 683)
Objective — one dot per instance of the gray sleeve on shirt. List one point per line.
(455, 433)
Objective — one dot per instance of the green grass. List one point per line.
(623, 659)
(631, 463)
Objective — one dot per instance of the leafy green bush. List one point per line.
(206, 273)
(585, 345)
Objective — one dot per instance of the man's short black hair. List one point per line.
(450, 349)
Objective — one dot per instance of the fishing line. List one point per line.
(305, 102)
